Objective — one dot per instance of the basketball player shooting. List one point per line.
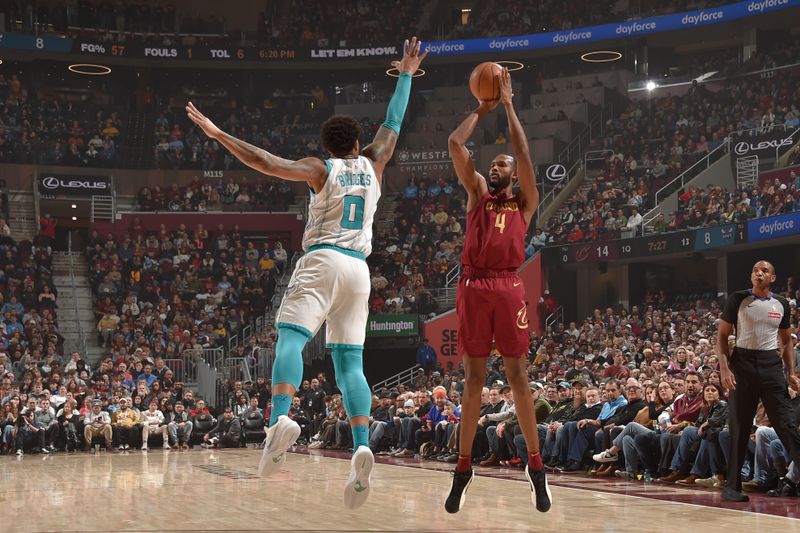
(490, 299)
(331, 281)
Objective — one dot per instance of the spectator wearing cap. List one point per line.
(179, 426)
(580, 434)
(579, 371)
(97, 423)
(410, 425)
(569, 400)
(518, 447)
(382, 419)
(226, 434)
(125, 425)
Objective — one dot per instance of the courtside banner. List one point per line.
(605, 32)
(385, 325)
(774, 227)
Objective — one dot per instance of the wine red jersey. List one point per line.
(495, 238)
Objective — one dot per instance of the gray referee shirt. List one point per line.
(757, 320)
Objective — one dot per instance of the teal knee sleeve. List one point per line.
(288, 366)
(348, 365)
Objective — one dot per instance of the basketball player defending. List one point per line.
(331, 281)
(490, 299)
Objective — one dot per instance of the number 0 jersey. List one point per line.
(495, 238)
(341, 215)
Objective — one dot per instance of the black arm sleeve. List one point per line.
(786, 313)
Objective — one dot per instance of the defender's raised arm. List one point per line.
(380, 150)
(308, 169)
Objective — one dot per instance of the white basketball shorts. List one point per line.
(328, 285)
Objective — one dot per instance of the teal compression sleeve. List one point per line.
(349, 367)
(398, 103)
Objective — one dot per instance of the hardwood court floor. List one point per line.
(204, 490)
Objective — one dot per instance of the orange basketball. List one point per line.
(484, 82)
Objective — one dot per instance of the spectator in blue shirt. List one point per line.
(148, 376)
(12, 305)
(13, 326)
(411, 189)
(426, 356)
(435, 189)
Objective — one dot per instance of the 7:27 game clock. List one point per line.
(662, 244)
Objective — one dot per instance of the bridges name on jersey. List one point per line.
(342, 213)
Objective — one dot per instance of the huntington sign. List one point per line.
(393, 325)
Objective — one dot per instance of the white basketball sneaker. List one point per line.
(356, 490)
(279, 437)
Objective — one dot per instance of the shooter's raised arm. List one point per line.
(526, 175)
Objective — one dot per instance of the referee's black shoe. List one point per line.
(540, 490)
(458, 491)
(731, 495)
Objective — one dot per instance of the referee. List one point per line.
(754, 369)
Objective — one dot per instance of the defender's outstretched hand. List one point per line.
(506, 90)
(411, 57)
(208, 127)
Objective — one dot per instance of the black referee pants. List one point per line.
(759, 375)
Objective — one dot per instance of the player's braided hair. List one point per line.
(339, 134)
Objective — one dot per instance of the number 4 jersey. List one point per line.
(340, 216)
(495, 238)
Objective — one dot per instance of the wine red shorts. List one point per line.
(491, 309)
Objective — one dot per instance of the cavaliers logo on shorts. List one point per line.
(522, 317)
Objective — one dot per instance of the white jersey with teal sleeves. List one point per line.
(340, 216)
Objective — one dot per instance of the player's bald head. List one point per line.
(767, 264)
(509, 158)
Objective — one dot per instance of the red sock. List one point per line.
(535, 461)
(464, 463)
